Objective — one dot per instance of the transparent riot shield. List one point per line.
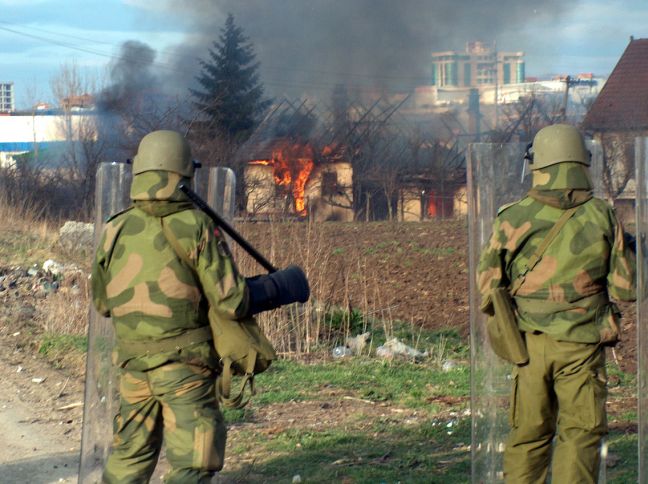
(102, 385)
(221, 192)
(111, 195)
(641, 214)
(494, 179)
(494, 173)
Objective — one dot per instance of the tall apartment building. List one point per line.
(7, 102)
(480, 65)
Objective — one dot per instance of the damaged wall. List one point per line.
(328, 193)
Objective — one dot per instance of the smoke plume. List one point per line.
(309, 46)
(131, 77)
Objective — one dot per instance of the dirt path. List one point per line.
(40, 418)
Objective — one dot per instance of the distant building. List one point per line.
(7, 99)
(480, 65)
(78, 103)
(42, 133)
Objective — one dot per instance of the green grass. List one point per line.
(424, 454)
(396, 382)
(397, 431)
(388, 430)
(59, 343)
(622, 447)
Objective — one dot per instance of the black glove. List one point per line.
(270, 291)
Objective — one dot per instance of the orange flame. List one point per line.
(292, 166)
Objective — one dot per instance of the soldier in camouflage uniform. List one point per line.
(563, 310)
(159, 300)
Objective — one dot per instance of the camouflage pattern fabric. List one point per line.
(565, 295)
(151, 295)
(155, 297)
(175, 402)
(564, 310)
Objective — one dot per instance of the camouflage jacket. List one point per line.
(151, 292)
(566, 294)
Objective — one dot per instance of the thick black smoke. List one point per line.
(311, 45)
(131, 78)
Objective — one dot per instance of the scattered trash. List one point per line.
(449, 365)
(32, 271)
(52, 267)
(358, 343)
(296, 479)
(341, 352)
(38, 380)
(19, 369)
(395, 348)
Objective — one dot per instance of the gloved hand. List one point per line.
(270, 291)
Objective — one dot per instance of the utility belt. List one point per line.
(132, 349)
(541, 306)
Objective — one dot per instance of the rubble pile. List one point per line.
(22, 291)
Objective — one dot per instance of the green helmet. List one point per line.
(557, 144)
(166, 151)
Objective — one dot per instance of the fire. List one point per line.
(292, 166)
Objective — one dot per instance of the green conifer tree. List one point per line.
(231, 100)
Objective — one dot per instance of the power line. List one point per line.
(172, 54)
(286, 83)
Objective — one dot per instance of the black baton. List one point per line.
(222, 223)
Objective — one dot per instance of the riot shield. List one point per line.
(494, 174)
(102, 385)
(221, 192)
(112, 195)
(495, 177)
(641, 214)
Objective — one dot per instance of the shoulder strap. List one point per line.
(173, 242)
(537, 255)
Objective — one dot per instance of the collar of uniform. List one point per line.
(161, 208)
(563, 199)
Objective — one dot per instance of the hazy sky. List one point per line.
(307, 46)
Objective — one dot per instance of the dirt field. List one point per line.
(411, 272)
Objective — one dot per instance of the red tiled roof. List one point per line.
(622, 104)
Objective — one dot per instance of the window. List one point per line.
(329, 183)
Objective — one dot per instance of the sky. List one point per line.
(305, 47)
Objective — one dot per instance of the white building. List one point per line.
(22, 133)
(7, 98)
(428, 97)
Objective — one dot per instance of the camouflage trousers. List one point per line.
(175, 403)
(560, 393)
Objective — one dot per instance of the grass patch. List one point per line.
(397, 382)
(361, 419)
(60, 343)
(384, 452)
(64, 351)
(623, 456)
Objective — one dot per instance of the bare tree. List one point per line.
(83, 148)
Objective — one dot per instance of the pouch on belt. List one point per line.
(503, 331)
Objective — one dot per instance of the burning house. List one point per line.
(288, 178)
